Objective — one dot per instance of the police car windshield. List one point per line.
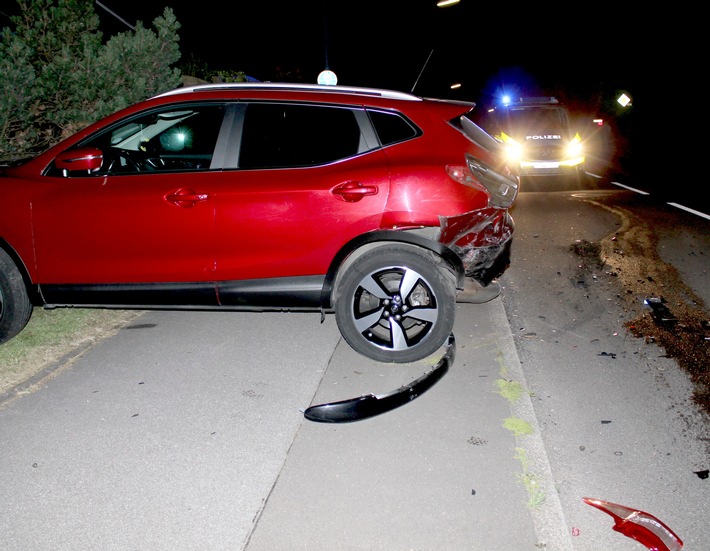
(517, 122)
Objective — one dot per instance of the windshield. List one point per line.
(522, 122)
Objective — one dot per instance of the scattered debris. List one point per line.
(631, 256)
(660, 312)
(587, 249)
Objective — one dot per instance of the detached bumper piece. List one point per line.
(369, 405)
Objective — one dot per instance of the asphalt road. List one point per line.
(614, 411)
(186, 429)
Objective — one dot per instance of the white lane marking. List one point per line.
(698, 213)
(631, 188)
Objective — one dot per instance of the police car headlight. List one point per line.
(575, 149)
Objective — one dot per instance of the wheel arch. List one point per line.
(31, 288)
(363, 243)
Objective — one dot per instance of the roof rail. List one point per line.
(378, 92)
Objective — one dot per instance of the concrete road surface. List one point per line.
(185, 431)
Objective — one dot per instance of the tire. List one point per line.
(396, 303)
(15, 305)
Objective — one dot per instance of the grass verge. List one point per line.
(52, 335)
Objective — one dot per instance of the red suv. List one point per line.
(373, 204)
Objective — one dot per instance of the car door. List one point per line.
(309, 179)
(146, 216)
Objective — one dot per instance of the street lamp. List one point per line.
(623, 100)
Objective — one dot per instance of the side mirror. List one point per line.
(86, 159)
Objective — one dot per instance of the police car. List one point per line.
(538, 135)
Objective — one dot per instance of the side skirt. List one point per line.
(278, 293)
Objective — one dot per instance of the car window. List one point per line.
(177, 138)
(277, 135)
(391, 127)
(485, 118)
(524, 121)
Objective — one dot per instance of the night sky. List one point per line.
(583, 55)
(545, 50)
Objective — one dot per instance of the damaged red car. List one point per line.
(373, 205)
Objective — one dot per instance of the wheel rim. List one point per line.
(394, 308)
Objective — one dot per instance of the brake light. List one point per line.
(502, 189)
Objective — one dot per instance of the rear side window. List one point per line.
(391, 127)
(486, 119)
(288, 135)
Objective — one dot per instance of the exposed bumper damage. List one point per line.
(482, 240)
(369, 405)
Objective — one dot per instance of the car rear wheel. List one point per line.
(396, 303)
(15, 305)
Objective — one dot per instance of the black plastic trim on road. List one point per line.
(369, 405)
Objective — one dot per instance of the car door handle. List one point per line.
(186, 197)
(353, 191)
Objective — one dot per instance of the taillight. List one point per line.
(502, 189)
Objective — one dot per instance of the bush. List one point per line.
(57, 75)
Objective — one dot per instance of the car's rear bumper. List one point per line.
(484, 264)
(484, 249)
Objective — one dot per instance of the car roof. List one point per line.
(275, 86)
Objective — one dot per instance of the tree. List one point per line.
(57, 75)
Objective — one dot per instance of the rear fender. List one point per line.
(421, 238)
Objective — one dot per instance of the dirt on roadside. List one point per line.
(674, 317)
